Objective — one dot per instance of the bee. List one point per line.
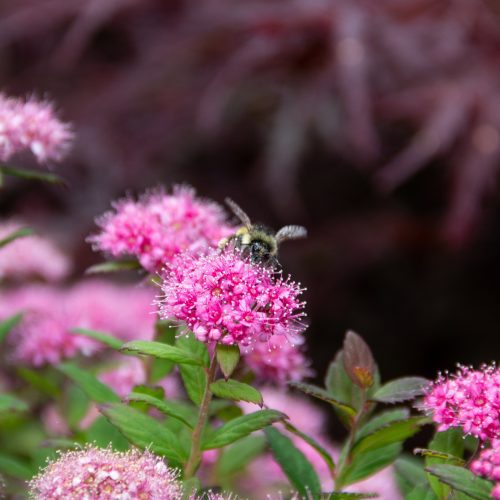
(257, 241)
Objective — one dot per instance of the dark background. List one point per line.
(374, 124)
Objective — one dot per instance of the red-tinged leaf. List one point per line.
(358, 360)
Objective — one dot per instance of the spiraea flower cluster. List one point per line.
(224, 298)
(488, 465)
(107, 475)
(32, 125)
(159, 226)
(470, 399)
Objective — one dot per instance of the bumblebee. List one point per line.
(258, 242)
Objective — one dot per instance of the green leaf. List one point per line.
(18, 233)
(236, 391)
(113, 266)
(8, 402)
(393, 432)
(401, 389)
(34, 175)
(463, 480)
(294, 464)
(102, 337)
(359, 363)
(242, 426)
(381, 420)
(8, 324)
(340, 495)
(170, 408)
(43, 382)
(165, 333)
(319, 393)
(162, 351)
(103, 433)
(155, 391)
(189, 343)
(227, 357)
(423, 492)
(15, 467)
(444, 457)
(237, 456)
(312, 442)
(144, 431)
(409, 473)
(76, 405)
(368, 463)
(90, 385)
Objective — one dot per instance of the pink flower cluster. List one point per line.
(488, 465)
(224, 298)
(277, 361)
(32, 125)
(159, 226)
(30, 256)
(43, 336)
(107, 475)
(470, 399)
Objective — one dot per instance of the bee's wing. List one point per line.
(238, 211)
(291, 233)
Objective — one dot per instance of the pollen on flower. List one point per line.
(106, 474)
(250, 304)
(488, 465)
(159, 226)
(469, 399)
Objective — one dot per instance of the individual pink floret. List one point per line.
(469, 399)
(159, 226)
(30, 256)
(277, 361)
(107, 475)
(222, 297)
(488, 465)
(32, 125)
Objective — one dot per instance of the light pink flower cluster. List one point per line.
(107, 475)
(32, 125)
(30, 256)
(277, 361)
(43, 336)
(488, 465)
(470, 399)
(159, 226)
(222, 297)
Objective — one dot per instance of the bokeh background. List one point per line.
(374, 124)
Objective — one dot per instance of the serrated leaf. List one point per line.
(15, 467)
(319, 393)
(401, 389)
(463, 480)
(15, 235)
(162, 351)
(359, 363)
(103, 337)
(155, 391)
(89, 384)
(34, 175)
(294, 464)
(240, 454)
(8, 402)
(227, 357)
(144, 431)
(170, 408)
(445, 457)
(236, 391)
(113, 266)
(409, 473)
(381, 420)
(241, 427)
(8, 324)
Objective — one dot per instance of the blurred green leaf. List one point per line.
(294, 464)
(401, 389)
(15, 235)
(15, 467)
(103, 433)
(8, 324)
(40, 380)
(237, 456)
(34, 175)
(227, 357)
(162, 351)
(8, 402)
(103, 337)
(346, 496)
(113, 266)
(381, 420)
(409, 473)
(236, 391)
(242, 426)
(421, 493)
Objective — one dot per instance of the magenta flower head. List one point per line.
(32, 125)
(105, 474)
(470, 399)
(488, 465)
(222, 297)
(159, 226)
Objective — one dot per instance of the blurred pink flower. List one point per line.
(222, 297)
(53, 421)
(469, 399)
(277, 361)
(32, 125)
(30, 256)
(488, 465)
(43, 336)
(160, 226)
(107, 475)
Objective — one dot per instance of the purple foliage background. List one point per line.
(374, 124)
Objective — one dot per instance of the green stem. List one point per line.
(195, 454)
